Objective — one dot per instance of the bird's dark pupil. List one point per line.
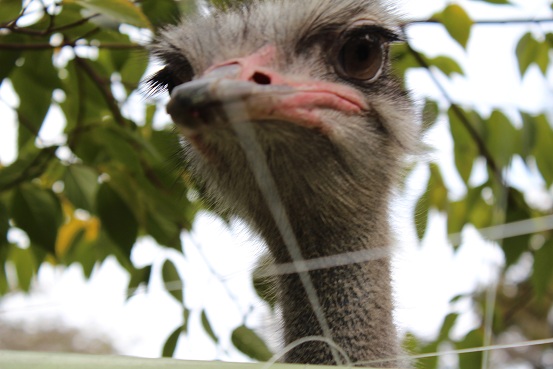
(362, 51)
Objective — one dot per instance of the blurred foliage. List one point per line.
(116, 176)
(53, 337)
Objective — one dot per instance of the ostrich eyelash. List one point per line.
(385, 33)
(176, 71)
(160, 82)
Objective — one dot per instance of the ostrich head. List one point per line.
(308, 84)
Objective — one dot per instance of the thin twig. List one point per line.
(104, 88)
(462, 117)
(483, 22)
(35, 168)
(43, 46)
(221, 280)
(12, 26)
(74, 24)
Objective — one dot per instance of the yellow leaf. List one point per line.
(69, 231)
(67, 234)
(458, 23)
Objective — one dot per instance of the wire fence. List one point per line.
(266, 183)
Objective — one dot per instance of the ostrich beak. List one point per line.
(263, 95)
(197, 102)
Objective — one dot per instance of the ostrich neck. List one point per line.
(355, 299)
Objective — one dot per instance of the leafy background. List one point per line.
(114, 179)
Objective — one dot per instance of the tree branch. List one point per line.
(12, 26)
(43, 46)
(483, 22)
(104, 88)
(462, 117)
(35, 168)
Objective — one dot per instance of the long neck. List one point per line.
(355, 299)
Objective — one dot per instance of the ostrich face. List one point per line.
(314, 79)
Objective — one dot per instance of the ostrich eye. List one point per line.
(361, 57)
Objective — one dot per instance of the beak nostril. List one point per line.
(261, 79)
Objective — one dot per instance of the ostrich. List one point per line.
(292, 121)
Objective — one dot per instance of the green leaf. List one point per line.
(542, 274)
(8, 58)
(480, 214)
(34, 83)
(89, 252)
(10, 10)
(447, 325)
(528, 135)
(465, 149)
(4, 227)
(163, 229)
(4, 286)
(473, 360)
(171, 343)
(471, 209)
(421, 214)
(173, 282)
(38, 213)
(84, 103)
(514, 247)
(430, 362)
(249, 343)
(117, 219)
(133, 70)
(81, 185)
(527, 49)
(185, 319)
(410, 343)
(457, 22)
(138, 277)
(502, 138)
(542, 57)
(403, 59)
(542, 150)
(437, 189)
(25, 266)
(446, 64)
(124, 11)
(549, 37)
(207, 327)
(430, 113)
(456, 217)
(108, 144)
(162, 12)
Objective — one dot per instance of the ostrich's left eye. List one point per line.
(362, 56)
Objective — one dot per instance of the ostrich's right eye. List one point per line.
(363, 50)
(362, 56)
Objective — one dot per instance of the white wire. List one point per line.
(240, 121)
(327, 262)
(513, 229)
(303, 340)
(463, 351)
